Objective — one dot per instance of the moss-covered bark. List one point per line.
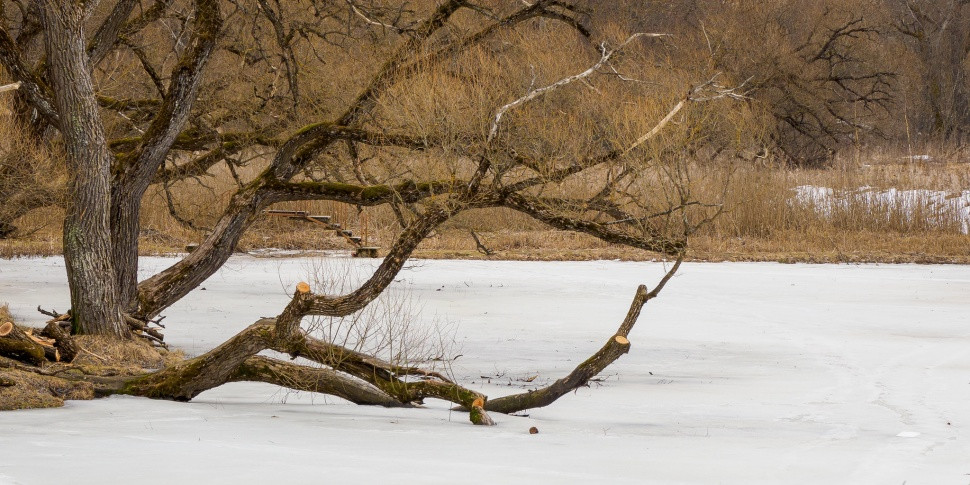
(185, 380)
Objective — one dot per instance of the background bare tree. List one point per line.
(937, 35)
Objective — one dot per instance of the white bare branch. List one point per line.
(605, 55)
(712, 90)
(361, 14)
(659, 126)
(10, 87)
(707, 91)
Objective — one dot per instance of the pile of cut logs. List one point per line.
(52, 344)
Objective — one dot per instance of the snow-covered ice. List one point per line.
(739, 373)
(936, 204)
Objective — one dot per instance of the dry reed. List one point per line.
(763, 219)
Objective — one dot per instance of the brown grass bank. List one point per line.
(886, 206)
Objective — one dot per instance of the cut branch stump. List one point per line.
(477, 414)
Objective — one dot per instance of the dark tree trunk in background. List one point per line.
(6, 229)
(87, 231)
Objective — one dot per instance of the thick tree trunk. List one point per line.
(125, 229)
(87, 232)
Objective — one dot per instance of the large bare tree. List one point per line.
(432, 108)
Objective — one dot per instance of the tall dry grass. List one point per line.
(764, 201)
(762, 219)
(5, 315)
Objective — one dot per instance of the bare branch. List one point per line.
(10, 87)
(605, 56)
(614, 348)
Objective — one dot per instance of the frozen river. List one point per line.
(739, 373)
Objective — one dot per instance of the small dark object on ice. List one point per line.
(533, 430)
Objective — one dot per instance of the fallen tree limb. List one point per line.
(142, 330)
(385, 376)
(186, 379)
(352, 375)
(304, 378)
(53, 314)
(614, 348)
(51, 353)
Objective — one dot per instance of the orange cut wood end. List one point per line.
(621, 340)
(478, 402)
(302, 287)
(46, 342)
(6, 328)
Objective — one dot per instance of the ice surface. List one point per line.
(739, 373)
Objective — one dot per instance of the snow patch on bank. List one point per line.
(937, 205)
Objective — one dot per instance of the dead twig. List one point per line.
(481, 246)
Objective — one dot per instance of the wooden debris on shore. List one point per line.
(37, 347)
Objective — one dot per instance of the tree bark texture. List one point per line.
(63, 341)
(87, 230)
(312, 379)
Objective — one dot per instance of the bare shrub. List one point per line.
(392, 328)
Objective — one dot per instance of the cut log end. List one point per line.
(477, 414)
(302, 287)
(622, 340)
(6, 328)
(20, 345)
